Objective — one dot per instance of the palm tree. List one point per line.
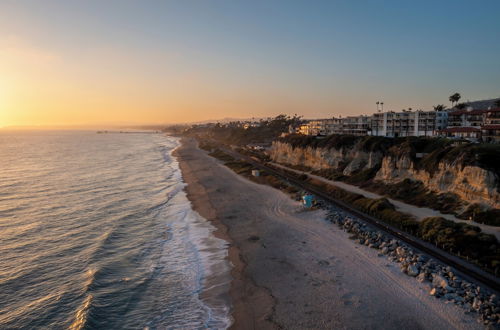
(439, 107)
(455, 98)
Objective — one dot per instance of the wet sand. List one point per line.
(294, 270)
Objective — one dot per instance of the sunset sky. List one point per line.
(138, 62)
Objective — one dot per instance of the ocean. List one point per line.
(96, 232)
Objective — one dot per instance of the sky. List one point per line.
(153, 62)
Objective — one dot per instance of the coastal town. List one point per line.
(477, 121)
(250, 165)
(428, 178)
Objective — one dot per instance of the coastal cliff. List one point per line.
(471, 183)
(470, 172)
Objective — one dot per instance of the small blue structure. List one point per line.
(307, 200)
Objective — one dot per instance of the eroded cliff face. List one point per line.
(472, 183)
(351, 159)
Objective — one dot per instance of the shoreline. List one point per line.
(242, 311)
(294, 270)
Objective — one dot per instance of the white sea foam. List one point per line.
(214, 276)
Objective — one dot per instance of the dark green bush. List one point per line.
(479, 214)
(415, 193)
(363, 176)
(462, 239)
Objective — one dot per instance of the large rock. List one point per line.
(400, 251)
(413, 270)
(476, 304)
(439, 281)
(421, 277)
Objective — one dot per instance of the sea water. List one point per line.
(96, 232)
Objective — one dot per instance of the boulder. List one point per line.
(400, 251)
(413, 270)
(439, 281)
(476, 304)
(421, 277)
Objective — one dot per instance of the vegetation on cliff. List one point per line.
(239, 133)
(421, 153)
(415, 193)
(365, 143)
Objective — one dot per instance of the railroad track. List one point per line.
(470, 271)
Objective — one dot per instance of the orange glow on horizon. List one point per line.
(40, 87)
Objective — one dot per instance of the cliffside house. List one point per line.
(474, 125)
(467, 133)
(490, 131)
(408, 123)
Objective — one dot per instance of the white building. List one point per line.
(408, 123)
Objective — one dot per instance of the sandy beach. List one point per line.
(294, 270)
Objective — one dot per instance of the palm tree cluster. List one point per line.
(455, 98)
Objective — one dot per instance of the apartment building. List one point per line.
(322, 127)
(456, 132)
(408, 123)
(470, 124)
(474, 125)
(356, 125)
(466, 118)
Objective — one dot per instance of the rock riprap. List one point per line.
(442, 281)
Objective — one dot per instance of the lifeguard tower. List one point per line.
(307, 201)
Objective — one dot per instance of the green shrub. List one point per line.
(462, 239)
(362, 176)
(415, 193)
(479, 214)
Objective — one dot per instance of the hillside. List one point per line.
(463, 179)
